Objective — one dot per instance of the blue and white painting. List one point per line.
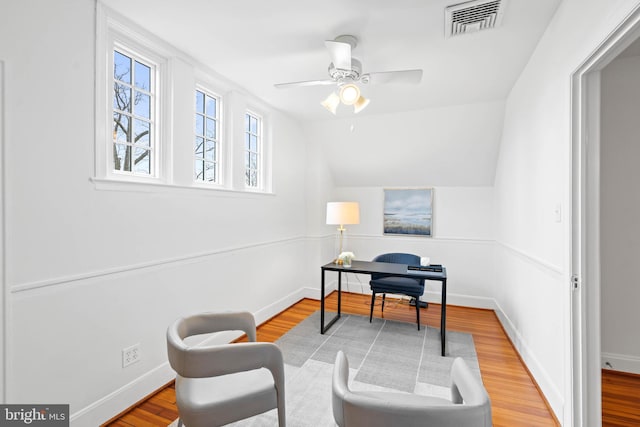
(408, 211)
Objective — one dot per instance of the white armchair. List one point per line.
(219, 384)
(470, 404)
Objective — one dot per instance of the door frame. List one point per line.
(586, 373)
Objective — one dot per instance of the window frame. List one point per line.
(114, 32)
(259, 150)
(219, 140)
(176, 76)
(153, 111)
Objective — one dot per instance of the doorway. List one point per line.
(586, 223)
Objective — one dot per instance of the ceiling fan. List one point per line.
(345, 71)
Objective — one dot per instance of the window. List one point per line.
(133, 115)
(149, 136)
(252, 142)
(206, 146)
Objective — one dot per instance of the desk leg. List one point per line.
(322, 304)
(324, 328)
(443, 317)
(339, 292)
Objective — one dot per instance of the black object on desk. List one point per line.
(432, 267)
(392, 269)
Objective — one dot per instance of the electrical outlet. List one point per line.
(131, 355)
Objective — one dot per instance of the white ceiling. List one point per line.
(257, 43)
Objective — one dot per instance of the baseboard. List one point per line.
(434, 297)
(621, 362)
(120, 400)
(461, 300)
(541, 378)
(279, 306)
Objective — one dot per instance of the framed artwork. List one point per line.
(408, 211)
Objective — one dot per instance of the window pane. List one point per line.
(253, 178)
(122, 157)
(199, 102)
(246, 123)
(142, 160)
(122, 97)
(247, 177)
(133, 105)
(254, 125)
(253, 143)
(121, 67)
(142, 131)
(142, 107)
(121, 130)
(210, 150)
(211, 107)
(209, 171)
(211, 128)
(199, 125)
(199, 170)
(199, 147)
(253, 161)
(246, 160)
(143, 76)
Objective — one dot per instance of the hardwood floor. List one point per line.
(620, 399)
(515, 399)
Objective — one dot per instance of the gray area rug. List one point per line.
(383, 355)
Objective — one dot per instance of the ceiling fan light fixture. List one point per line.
(331, 103)
(360, 104)
(349, 94)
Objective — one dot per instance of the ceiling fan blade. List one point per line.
(305, 83)
(340, 54)
(404, 76)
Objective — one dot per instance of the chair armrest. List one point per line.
(206, 323)
(199, 362)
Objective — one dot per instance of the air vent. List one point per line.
(472, 16)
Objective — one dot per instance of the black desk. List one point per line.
(366, 267)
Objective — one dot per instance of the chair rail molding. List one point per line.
(186, 259)
(533, 260)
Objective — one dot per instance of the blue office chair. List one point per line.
(385, 284)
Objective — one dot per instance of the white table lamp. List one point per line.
(342, 213)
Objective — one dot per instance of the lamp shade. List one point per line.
(340, 213)
(331, 103)
(360, 104)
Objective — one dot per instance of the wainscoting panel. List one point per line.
(80, 324)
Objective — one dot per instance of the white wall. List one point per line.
(453, 149)
(89, 271)
(462, 240)
(533, 178)
(620, 210)
(446, 146)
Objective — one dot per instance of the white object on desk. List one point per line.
(424, 261)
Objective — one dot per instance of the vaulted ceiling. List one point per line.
(258, 43)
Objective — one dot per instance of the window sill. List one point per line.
(107, 184)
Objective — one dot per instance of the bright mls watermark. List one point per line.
(34, 415)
